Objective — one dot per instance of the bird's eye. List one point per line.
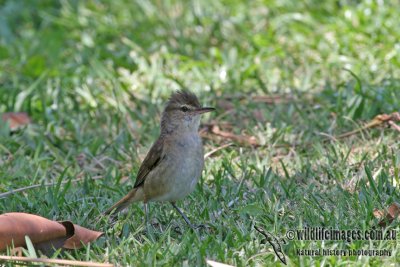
(184, 108)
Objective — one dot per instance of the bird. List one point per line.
(174, 163)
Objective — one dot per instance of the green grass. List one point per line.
(94, 75)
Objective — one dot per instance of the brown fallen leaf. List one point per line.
(44, 234)
(80, 235)
(387, 217)
(16, 120)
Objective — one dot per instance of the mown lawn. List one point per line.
(94, 75)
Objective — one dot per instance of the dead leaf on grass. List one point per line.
(388, 216)
(44, 234)
(16, 120)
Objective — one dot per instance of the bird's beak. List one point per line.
(203, 110)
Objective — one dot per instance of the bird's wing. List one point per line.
(152, 159)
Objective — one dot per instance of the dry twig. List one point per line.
(377, 121)
(57, 262)
(217, 149)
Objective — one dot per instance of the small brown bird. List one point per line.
(175, 162)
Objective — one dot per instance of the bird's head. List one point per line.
(182, 112)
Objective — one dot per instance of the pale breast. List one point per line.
(183, 165)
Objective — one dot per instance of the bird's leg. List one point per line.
(147, 221)
(146, 213)
(186, 218)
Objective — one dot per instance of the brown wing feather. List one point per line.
(150, 162)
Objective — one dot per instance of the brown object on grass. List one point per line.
(44, 234)
(378, 120)
(387, 217)
(16, 120)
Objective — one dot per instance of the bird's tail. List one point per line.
(134, 195)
